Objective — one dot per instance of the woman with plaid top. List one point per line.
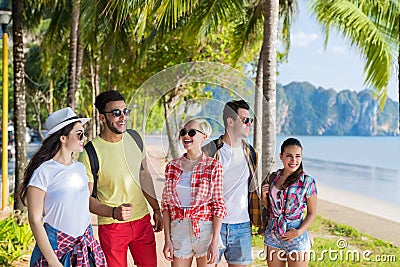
(288, 193)
(192, 201)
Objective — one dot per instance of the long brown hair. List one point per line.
(49, 148)
(295, 176)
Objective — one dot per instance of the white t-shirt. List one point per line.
(183, 189)
(235, 183)
(66, 202)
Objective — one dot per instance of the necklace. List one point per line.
(192, 160)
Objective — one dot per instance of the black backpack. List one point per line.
(94, 160)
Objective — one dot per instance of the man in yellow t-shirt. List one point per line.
(124, 187)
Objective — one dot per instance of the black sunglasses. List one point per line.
(246, 120)
(191, 132)
(117, 112)
(81, 135)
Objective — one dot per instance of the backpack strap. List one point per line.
(138, 139)
(94, 165)
(253, 154)
(139, 142)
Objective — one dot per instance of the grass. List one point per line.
(341, 245)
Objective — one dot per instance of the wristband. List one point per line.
(156, 209)
(113, 212)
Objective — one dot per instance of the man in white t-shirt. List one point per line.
(240, 184)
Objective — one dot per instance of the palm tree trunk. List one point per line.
(79, 61)
(19, 99)
(171, 131)
(258, 110)
(95, 82)
(73, 54)
(271, 13)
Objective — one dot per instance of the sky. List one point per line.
(338, 66)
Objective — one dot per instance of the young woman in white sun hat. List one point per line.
(57, 193)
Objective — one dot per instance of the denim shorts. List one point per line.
(300, 243)
(185, 243)
(237, 241)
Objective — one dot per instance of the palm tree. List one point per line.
(73, 69)
(270, 40)
(19, 97)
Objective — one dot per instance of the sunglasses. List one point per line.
(246, 120)
(81, 136)
(191, 132)
(118, 112)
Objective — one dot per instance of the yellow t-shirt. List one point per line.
(119, 166)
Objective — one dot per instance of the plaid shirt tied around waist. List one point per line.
(206, 192)
(79, 245)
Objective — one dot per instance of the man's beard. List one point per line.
(112, 127)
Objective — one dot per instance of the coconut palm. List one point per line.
(19, 96)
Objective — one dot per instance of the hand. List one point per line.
(289, 235)
(157, 218)
(123, 212)
(212, 253)
(264, 191)
(168, 250)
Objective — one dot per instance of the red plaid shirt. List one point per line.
(206, 192)
(67, 243)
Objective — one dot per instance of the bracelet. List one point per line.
(156, 209)
(113, 212)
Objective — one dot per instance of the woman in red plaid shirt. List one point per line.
(192, 201)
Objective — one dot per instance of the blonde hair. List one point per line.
(204, 125)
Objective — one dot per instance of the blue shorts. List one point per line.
(300, 243)
(237, 241)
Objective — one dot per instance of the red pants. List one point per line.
(138, 235)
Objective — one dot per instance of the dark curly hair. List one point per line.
(105, 97)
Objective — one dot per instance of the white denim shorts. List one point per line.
(186, 244)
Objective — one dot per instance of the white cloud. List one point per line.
(303, 39)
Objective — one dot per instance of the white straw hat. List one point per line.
(61, 118)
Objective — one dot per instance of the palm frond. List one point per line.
(363, 25)
(169, 12)
(248, 30)
(209, 15)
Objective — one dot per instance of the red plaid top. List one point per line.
(206, 192)
(67, 243)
